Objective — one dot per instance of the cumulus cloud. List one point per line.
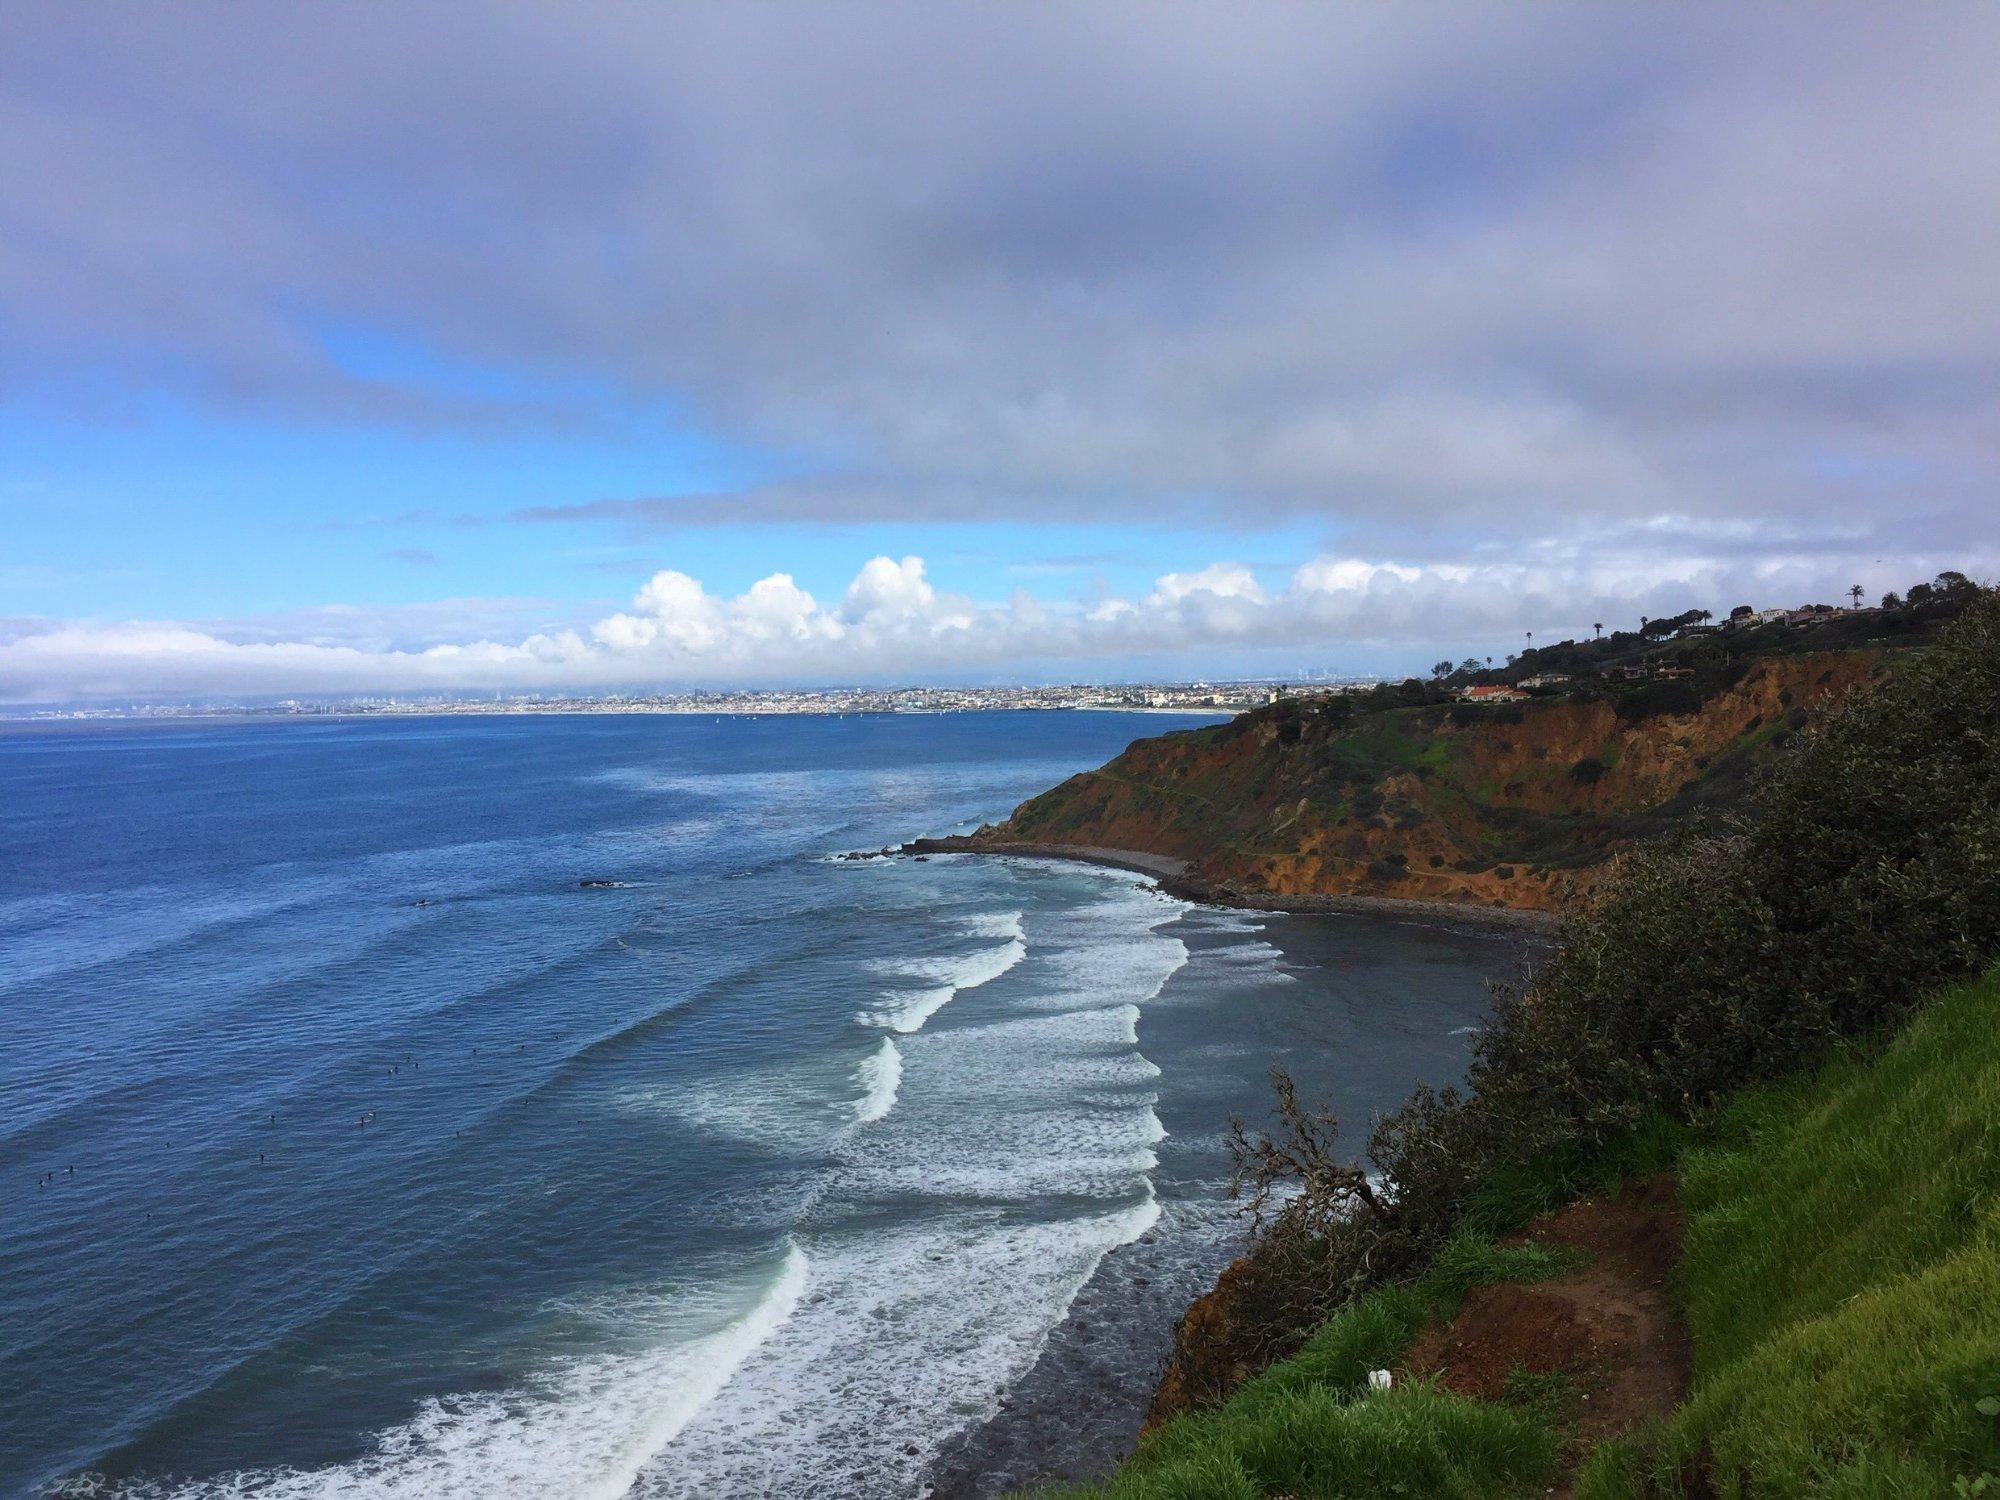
(1216, 581)
(892, 623)
(680, 618)
(885, 590)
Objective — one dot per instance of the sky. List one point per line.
(436, 348)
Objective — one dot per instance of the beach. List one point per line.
(1174, 877)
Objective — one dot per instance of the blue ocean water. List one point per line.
(350, 1147)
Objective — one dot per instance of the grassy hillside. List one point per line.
(1842, 1279)
(1841, 1282)
(1514, 805)
(1310, 1426)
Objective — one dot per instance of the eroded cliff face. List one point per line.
(1511, 806)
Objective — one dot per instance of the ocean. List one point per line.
(350, 1146)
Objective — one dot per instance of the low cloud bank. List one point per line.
(891, 622)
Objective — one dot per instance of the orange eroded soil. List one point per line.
(1521, 808)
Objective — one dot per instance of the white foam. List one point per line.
(952, 1235)
(911, 1334)
(905, 1011)
(880, 1075)
(944, 1243)
(1063, 1105)
(1000, 924)
(584, 1430)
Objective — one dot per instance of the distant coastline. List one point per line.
(572, 710)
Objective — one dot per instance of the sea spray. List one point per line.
(879, 1075)
(1019, 1154)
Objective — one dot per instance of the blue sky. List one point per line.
(468, 348)
(216, 516)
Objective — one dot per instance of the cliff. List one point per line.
(1512, 805)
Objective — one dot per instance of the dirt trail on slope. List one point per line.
(1609, 1325)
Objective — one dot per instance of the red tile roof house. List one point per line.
(1492, 693)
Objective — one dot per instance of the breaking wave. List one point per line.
(880, 1075)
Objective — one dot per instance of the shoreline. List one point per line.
(1173, 877)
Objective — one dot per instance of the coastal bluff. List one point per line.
(1313, 804)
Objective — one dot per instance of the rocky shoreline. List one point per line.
(1175, 877)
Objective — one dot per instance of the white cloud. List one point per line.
(1217, 581)
(1333, 575)
(776, 608)
(888, 590)
(892, 622)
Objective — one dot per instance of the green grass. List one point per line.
(1412, 1441)
(1309, 1425)
(1842, 1280)
(1842, 1285)
(1521, 1191)
(1386, 742)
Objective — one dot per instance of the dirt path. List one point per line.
(1608, 1326)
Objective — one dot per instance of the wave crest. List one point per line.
(880, 1075)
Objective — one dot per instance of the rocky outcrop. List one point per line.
(1212, 1355)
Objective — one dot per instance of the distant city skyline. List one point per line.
(447, 350)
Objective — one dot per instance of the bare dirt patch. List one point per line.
(1608, 1326)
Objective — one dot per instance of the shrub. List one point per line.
(1412, 1440)
(1675, 696)
(1864, 876)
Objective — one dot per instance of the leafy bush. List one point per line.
(1674, 696)
(1864, 877)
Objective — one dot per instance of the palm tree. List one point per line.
(1855, 594)
(1598, 626)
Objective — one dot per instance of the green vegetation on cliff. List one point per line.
(1839, 1280)
(1842, 1248)
(1310, 1425)
(1404, 792)
(1516, 805)
(1842, 1279)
